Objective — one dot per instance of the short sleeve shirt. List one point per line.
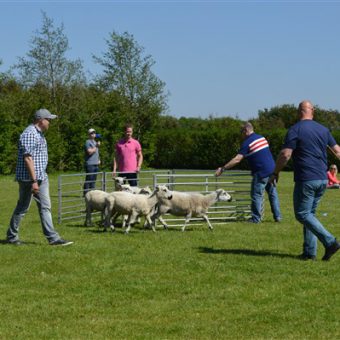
(32, 142)
(94, 158)
(256, 150)
(308, 140)
(126, 154)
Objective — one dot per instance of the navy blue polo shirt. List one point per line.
(255, 149)
(308, 140)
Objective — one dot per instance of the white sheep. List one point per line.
(135, 205)
(189, 205)
(120, 183)
(95, 201)
(134, 190)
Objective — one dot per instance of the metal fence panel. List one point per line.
(236, 183)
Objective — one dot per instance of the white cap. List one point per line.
(92, 130)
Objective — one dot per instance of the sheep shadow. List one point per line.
(247, 252)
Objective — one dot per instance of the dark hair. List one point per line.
(128, 125)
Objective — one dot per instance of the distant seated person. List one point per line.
(333, 182)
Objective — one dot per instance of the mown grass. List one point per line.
(241, 281)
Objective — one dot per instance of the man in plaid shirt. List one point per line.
(33, 180)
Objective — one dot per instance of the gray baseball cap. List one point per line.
(44, 114)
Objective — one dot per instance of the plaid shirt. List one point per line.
(32, 142)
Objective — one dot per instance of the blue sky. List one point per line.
(220, 58)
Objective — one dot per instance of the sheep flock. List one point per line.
(133, 203)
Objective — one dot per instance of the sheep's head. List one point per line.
(163, 192)
(119, 181)
(223, 196)
(146, 191)
(126, 188)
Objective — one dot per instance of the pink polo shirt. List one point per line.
(126, 154)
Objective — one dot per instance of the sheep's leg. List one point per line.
(109, 221)
(147, 218)
(160, 219)
(158, 215)
(88, 219)
(152, 219)
(146, 224)
(109, 215)
(106, 217)
(124, 220)
(114, 218)
(187, 219)
(207, 220)
(131, 219)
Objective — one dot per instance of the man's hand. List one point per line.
(219, 171)
(35, 188)
(273, 179)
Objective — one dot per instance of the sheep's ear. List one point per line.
(157, 187)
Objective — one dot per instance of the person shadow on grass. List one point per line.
(247, 252)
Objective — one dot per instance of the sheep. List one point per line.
(189, 205)
(135, 205)
(95, 200)
(134, 190)
(120, 183)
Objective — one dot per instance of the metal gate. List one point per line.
(236, 183)
(71, 204)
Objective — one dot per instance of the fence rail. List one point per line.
(71, 204)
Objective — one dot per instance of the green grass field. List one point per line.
(241, 281)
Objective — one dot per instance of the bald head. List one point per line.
(247, 129)
(306, 110)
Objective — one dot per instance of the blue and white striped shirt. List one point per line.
(32, 142)
(255, 148)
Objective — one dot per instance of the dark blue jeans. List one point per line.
(91, 177)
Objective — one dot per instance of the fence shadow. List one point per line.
(247, 252)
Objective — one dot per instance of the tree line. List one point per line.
(127, 90)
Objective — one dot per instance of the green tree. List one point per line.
(282, 116)
(46, 62)
(127, 72)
